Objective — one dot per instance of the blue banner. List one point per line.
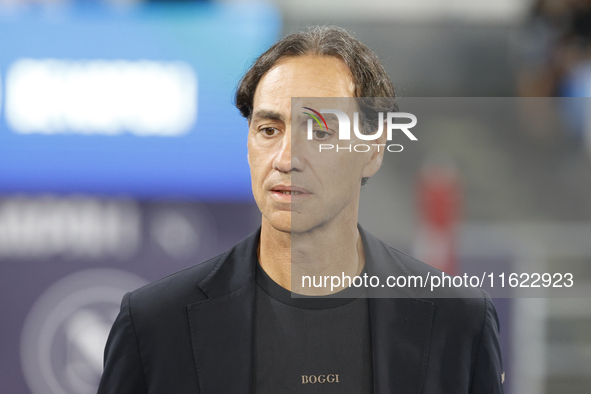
(135, 101)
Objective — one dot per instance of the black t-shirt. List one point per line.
(311, 344)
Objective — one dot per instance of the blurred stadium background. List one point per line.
(122, 160)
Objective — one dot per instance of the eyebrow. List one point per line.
(268, 114)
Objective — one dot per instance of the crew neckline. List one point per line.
(277, 292)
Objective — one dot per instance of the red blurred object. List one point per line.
(439, 197)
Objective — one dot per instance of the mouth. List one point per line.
(289, 191)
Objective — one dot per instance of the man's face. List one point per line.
(297, 188)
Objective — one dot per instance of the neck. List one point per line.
(289, 257)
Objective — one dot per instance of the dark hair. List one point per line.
(369, 77)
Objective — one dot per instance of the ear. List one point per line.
(377, 154)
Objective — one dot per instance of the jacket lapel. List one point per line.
(222, 332)
(222, 326)
(400, 324)
(400, 332)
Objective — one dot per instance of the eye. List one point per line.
(269, 131)
(321, 134)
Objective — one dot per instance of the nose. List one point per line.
(289, 158)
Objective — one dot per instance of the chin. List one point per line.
(301, 226)
(282, 227)
(291, 222)
(280, 222)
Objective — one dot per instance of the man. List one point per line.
(230, 324)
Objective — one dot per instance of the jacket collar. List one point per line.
(222, 327)
(382, 262)
(234, 269)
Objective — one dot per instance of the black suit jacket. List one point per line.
(193, 332)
